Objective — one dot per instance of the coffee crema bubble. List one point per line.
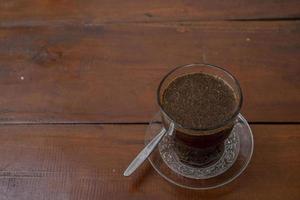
(199, 101)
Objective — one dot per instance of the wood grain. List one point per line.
(32, 12)
(109, 73)
(87, 162)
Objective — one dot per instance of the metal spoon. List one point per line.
(144, 154)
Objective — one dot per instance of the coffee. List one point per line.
(199, 101)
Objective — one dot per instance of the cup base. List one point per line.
(199, 163)
(208, 168)
(170, 146)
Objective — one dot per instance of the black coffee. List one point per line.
(199, 101)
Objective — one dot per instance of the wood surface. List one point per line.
(31, 12)
(87, 161)
(109, 73)
(78, 85)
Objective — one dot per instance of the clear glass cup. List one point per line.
(200, 138)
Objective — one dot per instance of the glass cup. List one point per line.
(200, 138)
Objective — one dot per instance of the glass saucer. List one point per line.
(201, 170)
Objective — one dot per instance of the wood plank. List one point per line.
(33, 12)
(87, 162)
(109, 73)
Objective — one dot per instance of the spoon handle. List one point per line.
(143, 155)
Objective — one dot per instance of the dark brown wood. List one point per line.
(109, 73)
(87, 162)
(46, 12)
(101, 61)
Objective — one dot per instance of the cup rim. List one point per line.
(234, 115)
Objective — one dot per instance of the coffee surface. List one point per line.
(199, 101)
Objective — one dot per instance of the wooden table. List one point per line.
(78, 81)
